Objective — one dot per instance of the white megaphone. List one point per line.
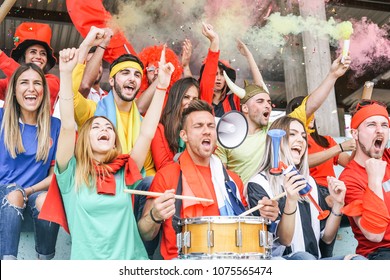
(232, 129)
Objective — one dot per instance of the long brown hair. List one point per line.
(12, 112)
(85, 166)
(171, 114)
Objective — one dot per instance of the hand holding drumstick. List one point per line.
(269, 207)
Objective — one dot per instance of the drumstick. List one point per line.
(257, 207)
(176, 195)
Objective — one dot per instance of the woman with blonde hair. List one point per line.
(93, 174)
(28, 144)
(299, 227)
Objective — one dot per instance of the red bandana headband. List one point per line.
(366, 112)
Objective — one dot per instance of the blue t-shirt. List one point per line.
(24, 170)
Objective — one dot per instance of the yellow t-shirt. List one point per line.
(245, 159)
(85, 109)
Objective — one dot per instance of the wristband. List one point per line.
(341, 147)
(337, 215)
(101, 47)
(163, 89)
(154, 220)
(288, 214)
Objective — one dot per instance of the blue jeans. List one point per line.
(11, 219)
(300, 256)
(308, 256)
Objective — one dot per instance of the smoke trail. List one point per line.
(155, 22)
(369, 45)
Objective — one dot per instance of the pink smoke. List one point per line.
(214, 9)
(369, 45)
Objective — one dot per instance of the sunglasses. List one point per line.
(365, 102)
(151, 68)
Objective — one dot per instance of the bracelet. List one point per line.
(66, 99)
(341, 147)
(154, 220)
(101, 47)
(337, 215)
(163, 89)
(33, 190)
(288, 214)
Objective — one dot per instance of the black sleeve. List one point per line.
(255, 193)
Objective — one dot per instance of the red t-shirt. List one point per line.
(355, 178)
(320, 172)
(168, 178)
(161, 153)
(208, 80)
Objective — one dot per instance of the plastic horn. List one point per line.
(276, 137)
(345, 50)
(306, 192)
(240, 92)
(265, 86)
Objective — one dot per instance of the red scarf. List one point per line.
(105, 184)
(53, 208)
(193, 185)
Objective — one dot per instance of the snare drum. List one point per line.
(227, 237)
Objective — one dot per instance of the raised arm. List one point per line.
(66, 141)
(186, 58)
(318, 96)
(92, 67)
(85, 108)
(152, 117)
(143, 102)
(256, 75)
(211, 64)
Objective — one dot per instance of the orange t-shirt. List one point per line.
(320, 172)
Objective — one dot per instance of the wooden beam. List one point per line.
(42, 15)
(371, 5)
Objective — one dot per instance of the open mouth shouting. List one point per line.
(103, 138)
(379, 143)
(296, 151)
(31, 99)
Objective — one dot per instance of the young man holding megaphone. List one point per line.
(256, 106)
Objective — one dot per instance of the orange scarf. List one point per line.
(193, 185)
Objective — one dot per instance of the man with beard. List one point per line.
(367, 178)
(119, 106)
(256, 106)
(197, 173)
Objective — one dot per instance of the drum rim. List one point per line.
(225, 219)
